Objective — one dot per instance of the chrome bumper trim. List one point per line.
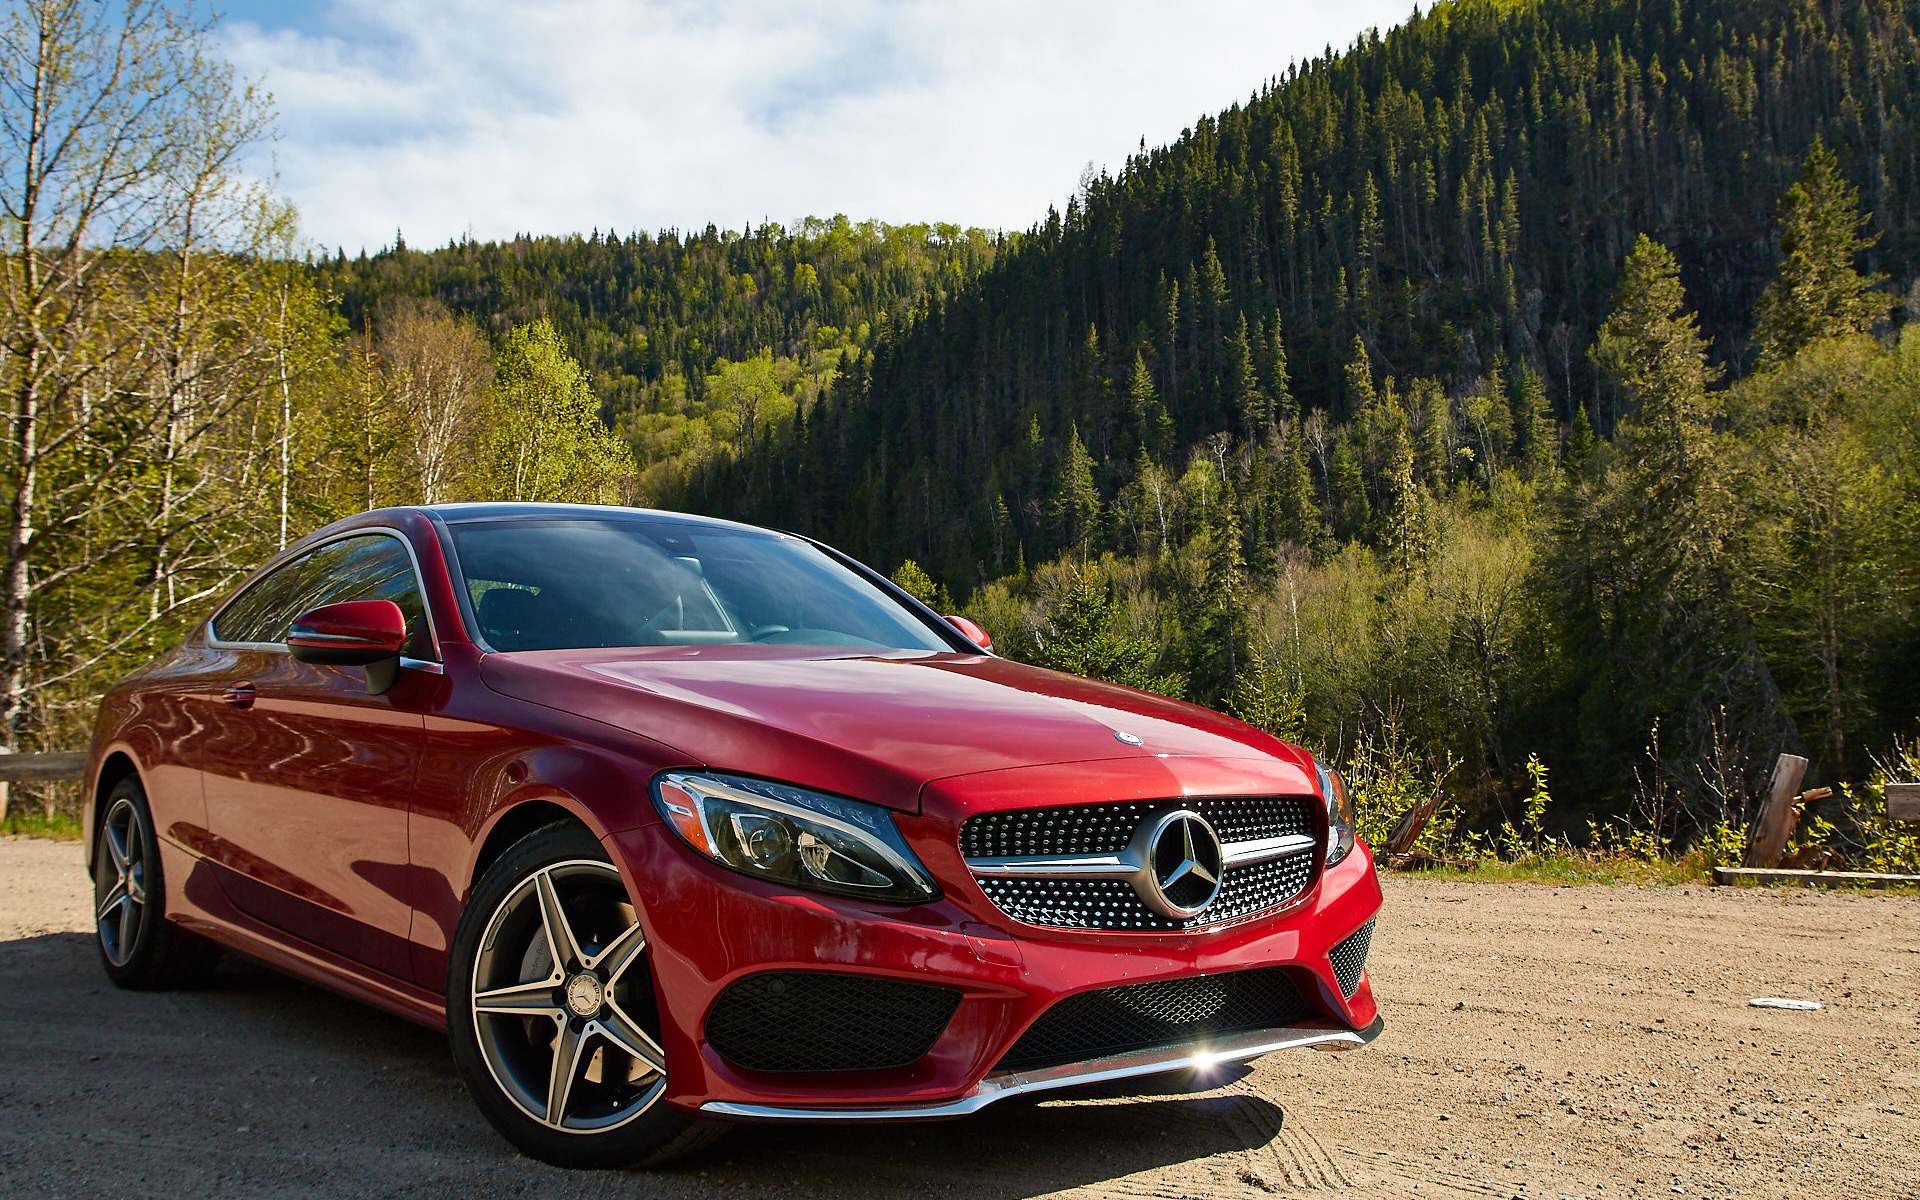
(1237, 1048)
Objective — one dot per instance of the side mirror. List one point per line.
(970, 631)
(354, 633)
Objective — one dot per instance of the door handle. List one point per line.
(240, 695)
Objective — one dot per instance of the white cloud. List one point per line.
(440, 117)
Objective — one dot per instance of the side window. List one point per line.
(371, 567)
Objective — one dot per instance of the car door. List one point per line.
(307, 778)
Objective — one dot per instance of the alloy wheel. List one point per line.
(120, 881)
(562, 1001)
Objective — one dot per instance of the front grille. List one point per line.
(1108, 904)
(1111, 904)
(1349, 958)
(1158, 1015)
(827, 1021)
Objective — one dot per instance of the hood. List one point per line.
(873, 726)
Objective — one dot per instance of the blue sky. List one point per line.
(447, 117)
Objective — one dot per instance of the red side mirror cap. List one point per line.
(971, 632)
(354, 633)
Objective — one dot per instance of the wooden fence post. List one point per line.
(1777, 814)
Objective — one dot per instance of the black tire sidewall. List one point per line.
(149, 937)
(661, 1132)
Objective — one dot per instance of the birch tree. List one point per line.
(125, 342)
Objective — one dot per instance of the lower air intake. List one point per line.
(827, 1021)
(1349, 959)
(1157, 1015)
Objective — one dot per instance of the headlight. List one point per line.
(1339, 814)
(792, 835)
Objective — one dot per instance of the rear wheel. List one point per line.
(551, 1012)
(138, 946)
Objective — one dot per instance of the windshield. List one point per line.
(572, 582)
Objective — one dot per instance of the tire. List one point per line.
(550, 966)
(140, 949)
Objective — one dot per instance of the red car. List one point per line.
(670, 822)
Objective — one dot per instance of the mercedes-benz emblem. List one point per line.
(1131, 739)
(1183, 861)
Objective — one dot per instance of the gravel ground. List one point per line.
(1540, 1042)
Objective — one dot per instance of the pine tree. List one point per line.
(1077, 635)
(1151, 426)
(1275, 376)
(1250, 403)
(1223, 635)
(1652, 349)
(1818, 293)
(1360, 393)
(1075, 506)
(1533, 421)
(1300, 521)
(1348, 487)
(1408, 531)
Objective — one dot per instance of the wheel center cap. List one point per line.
(586, 995)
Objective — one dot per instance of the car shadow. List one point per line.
(259, 1085)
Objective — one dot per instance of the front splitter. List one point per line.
(1233, 1048)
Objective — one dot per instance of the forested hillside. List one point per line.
(693, 341)
(1317, 396)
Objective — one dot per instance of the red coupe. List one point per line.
(671, 822)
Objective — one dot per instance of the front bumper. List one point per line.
(709, 927)
(998, 1086)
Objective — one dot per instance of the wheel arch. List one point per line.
(117, 764)
(520, 818)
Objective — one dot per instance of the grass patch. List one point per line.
(34, 822)
(1578, 870)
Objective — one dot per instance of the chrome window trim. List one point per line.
(998, 1086)
(432, 666)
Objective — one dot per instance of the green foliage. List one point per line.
(1076, 632)
(1529, 838)
(1264, 698)
(1818, 293)
(912, 579)
(1386, 775)
(547, 440)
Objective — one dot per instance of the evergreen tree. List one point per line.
(1075, 506)
(1223, 634)
(1818, 293)
(1152, 427)
(1250, 403)
(1077, 635)
(1360, 393)
(1533, 421)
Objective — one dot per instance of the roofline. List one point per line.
(481, 510)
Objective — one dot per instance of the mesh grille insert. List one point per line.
(1161, 1014)
(827, 1021)
(1349, 958)
(1245, 892)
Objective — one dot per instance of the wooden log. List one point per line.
(1407, 830)
(1726, 875)
(1777, 814)
(43, 768)
(1903, 801)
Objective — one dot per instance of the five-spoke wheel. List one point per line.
(552, 1010)
(120, 880)
(138, 946)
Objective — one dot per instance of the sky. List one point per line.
(485, 118)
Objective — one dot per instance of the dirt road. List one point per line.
(1540, 1042)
